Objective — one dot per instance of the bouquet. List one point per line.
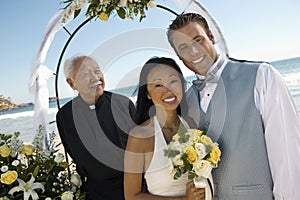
(192, 151)
(28, 171)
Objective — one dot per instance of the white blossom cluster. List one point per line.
(70, 9)
(16, 145)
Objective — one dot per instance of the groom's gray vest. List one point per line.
(234, 122)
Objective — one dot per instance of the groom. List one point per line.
(247, 108)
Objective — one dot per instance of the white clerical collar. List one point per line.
(92, 107)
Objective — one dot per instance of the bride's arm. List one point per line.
(134, 164)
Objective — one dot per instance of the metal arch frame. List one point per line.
(61, 56)
(68, 42)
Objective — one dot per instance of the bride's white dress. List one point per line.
(159, 173)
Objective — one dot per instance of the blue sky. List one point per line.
(256, 30)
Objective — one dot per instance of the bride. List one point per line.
(160, 105)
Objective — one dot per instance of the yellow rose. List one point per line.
(214, 155)
(103, 16)
(192, 154)
(205, 140)
(5, 151)
(9, 177)
(27, 149)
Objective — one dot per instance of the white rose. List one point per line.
(76, 180)
(78, 4)
(68, 195)
(151, 4)
(202, 168)
(23, 159)
(4, 168)
(177, 160)
(59, 158)
(48, 198)
(15, 163)
(177, 146)
(123, 3)
(201, 150)
(193, 137)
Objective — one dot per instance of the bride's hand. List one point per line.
(193, 193)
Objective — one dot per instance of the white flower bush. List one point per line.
(28, 171)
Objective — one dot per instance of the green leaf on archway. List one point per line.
(109, 9)
(121, 12)
(76, 13)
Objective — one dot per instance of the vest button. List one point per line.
(207, 123)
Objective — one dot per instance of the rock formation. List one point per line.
(8, 104)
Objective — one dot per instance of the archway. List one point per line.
(186, 6)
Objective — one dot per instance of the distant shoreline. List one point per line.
(6, 103)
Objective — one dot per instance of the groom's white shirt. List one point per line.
(282, 127)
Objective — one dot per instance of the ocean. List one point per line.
(21, 119)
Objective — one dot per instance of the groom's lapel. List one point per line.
(193, 104)
(217, 110)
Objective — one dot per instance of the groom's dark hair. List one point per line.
(183, 20)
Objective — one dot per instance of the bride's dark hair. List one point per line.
(144, 106)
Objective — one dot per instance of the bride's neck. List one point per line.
(169, 120)
(169, 124)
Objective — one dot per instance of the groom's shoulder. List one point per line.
(245, 61)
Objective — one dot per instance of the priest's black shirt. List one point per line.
(95, 138)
